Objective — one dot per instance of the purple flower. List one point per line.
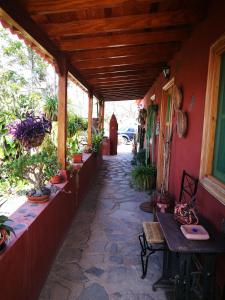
(30, 132)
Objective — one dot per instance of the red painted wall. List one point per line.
(189, 68)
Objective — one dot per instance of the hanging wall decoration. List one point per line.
(150, 132)
(182, 123)
(177, 97)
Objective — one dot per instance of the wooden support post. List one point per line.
(62, 113)
(101, 115)
(90, 110)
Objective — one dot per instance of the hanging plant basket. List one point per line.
(33, 142)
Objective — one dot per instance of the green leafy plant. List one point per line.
(143, 177)
(36, 168)
(51, 107)
(75, 124)
(9, 148)
(96, 141)
(73, 145)
(139, 158)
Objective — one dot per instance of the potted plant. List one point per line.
(143, 177)
(37, 169)
(54, 167)
(51, 107)
(5, 231)
(30, 132)
(75, 150)
(96, 142)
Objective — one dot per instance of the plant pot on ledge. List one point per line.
(5, 231)
(56, 179)
(39, 195)
(77, 158)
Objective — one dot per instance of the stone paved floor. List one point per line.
(100, 259)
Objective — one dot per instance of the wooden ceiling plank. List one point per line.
(122, 80)
(163, 48)
(120, 70)
(110, 62)
(122, 40)
(117, 24)
(59, 6)
(97, 80)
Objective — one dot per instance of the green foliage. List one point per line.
(143, 177)
(7, 228)
(36, 168)
(96, 141)
(75, 124)
(51, 107)
(74, 145)
(139, 158)
(9, 148)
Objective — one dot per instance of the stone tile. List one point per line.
(95, 271)
(100, 257)
(95, 291)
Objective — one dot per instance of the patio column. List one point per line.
(62, 113)
(90, 110)
(101, 114)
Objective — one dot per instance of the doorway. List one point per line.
(165, 136)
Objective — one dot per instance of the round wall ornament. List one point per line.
(177, 97)
(181, 123)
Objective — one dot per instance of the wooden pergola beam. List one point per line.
(125, 39)
(61, 6)
(117, 24)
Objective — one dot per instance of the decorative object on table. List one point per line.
(177, 97)
(182, 123)
(185, 213)
(5, 231)
(30, 132)
(194, 232)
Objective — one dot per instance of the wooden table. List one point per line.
(186, 250)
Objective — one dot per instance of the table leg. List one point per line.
(209, 277)
(183, 278)
(165, 280)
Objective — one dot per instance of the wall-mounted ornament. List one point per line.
(182, 123)
(177, 97)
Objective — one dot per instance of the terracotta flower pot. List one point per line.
(77, 158)
(56, 179)
(38, 199)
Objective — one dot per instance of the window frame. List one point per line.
(210, 183)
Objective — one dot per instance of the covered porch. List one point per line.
(118, 50)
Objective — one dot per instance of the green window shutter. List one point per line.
(219, 147)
